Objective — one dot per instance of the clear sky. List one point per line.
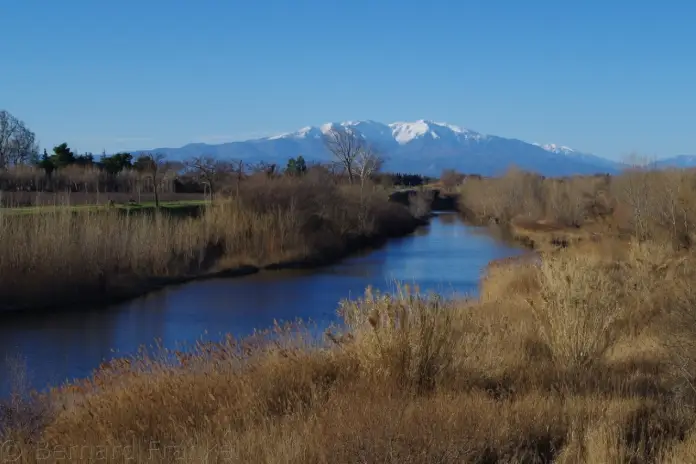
(607, 77)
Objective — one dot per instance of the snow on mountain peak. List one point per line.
(404, 132)
(300, 134)
(401, 132)
(553, 148)
(325, 128)
(453, 128)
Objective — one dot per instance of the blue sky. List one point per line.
(607, 77)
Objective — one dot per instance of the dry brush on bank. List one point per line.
(649, 205)
(584, 354)
(542, 368)
(94, 255)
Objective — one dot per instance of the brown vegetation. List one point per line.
(578, 354)
(649, 205)
(95, 256)
(569, 361)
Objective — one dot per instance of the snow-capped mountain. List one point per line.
(401, 132)
(422, 146)
(607, 165)
(560, 149)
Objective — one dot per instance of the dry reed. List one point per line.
(583, 355)
(64, 257)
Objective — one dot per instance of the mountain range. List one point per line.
(422, 147)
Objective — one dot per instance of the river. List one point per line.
(446, 256)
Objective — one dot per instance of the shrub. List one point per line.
(579, 309)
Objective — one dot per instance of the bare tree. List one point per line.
(155, 167)
(17, 142)
(239, 168)
(366, 163)
(345, 146)
(209, 170)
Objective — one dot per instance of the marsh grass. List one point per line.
(648, 205)
(576, 325)
(583, 354)
(94, 255)
(412, 377)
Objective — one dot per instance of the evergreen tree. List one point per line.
(46, 163)
(62, 156)
(116, 163)
(296, 166)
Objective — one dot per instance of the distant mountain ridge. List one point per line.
(679, 162)
(422, 146)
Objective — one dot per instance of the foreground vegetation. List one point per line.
(98, 254)
(570, 361)
(583, 353)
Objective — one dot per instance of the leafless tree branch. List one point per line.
(209, 170)
(367, 163)
(345, 145)
(17, 142)
(156, 167)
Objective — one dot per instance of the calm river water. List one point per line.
(447, 256)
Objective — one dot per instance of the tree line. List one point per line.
(23, 168)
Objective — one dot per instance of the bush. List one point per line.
(579, 309)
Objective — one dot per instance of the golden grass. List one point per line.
(570, 359)
(649, 205)
(576, 354)
(97, 255)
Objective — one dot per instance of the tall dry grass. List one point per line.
(584, 354)
(568, 201)
(411, 378)
(578, 326)
(66, 257)
(648, 205)
(573, 377)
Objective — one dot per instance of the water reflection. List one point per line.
(446, 257)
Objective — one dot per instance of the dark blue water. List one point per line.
(447, 256)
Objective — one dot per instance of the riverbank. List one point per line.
(129, 289)
(585, 355)
(648, 205)
(63, 259)
(444, 256)
(571, 359)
